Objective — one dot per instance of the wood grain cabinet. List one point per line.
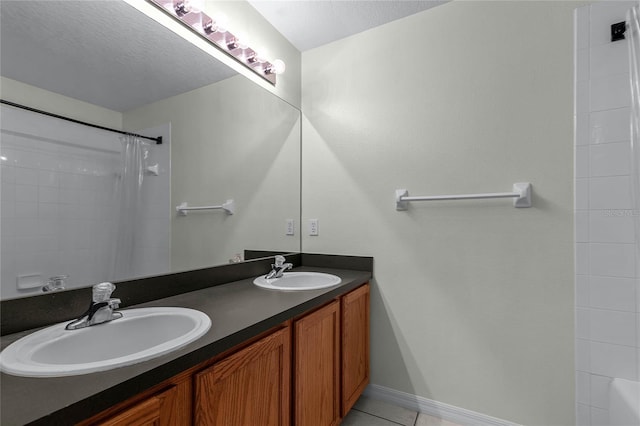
(254, 385)
(355, 346)
(250, 387)
(331, 359)
(317, 367)
(168, 407)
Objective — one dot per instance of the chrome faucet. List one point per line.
(100, 310)
(278, 268)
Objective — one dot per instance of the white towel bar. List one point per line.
(521, 195)
(229, 206)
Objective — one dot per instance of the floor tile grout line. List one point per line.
(383, 418)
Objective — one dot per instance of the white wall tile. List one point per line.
(582, 66)
(599, 391)
(608, 59)
(583, 355)
(582, 226)
(611, 159)
(582, 130)
(582, 258)
(26, 210)
(583, 387)
(599, 416)
(582, 103)
(602, 15)
(609, 226)
(613, 360)
(48, 178)
(609, 92)
(27, 193)
(583, 415)
(610, 125)
(582, 291)
(610, 193)
(25, 176)
(613, 327)
(7, 173)
(582, 161)
(582, 323)
(612, 293)
(581, 194)
(612, 260)
(581, 27)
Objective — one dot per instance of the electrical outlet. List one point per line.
(291, 227)
(313, 226)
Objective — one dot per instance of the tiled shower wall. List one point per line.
(56, 205)
(607, 285)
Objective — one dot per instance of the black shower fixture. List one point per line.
(617, 31)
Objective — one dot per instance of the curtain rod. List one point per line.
(158, 140)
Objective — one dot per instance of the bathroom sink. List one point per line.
(299, 281)
(141, 334)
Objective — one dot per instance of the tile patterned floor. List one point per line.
(371, 412)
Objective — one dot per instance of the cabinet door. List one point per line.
(355, 346)
(146, 413)
(317, 367)
(250, 387)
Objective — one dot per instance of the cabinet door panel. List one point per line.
(250, 387)
(149, 412)
(355, 346)
(317, 367)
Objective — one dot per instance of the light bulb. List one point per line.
(195, 6)
(221, 22)
(261, 54)
(241, 41)
(278, 66)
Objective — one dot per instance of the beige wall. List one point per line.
(229, 140)
(34, 97)
(473, 300)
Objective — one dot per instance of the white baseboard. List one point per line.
(428, 406)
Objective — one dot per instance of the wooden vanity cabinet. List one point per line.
(317, 367)
(249, 387)
(331, 359)
(253, 384)
(355, 345)
(168, 404)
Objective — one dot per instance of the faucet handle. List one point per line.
(102, 292)
(279, 261)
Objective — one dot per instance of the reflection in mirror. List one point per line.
(67, 205)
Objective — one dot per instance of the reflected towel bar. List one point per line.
(521, 194)
(229, 206)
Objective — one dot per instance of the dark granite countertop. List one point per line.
(238, 310)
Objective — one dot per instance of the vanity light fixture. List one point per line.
(214, 30)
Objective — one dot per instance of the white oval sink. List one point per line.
(141, 334)
(299, 281)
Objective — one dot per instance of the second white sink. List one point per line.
(299, 281)
(140, 334)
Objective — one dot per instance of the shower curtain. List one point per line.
(633, 35)
(128, 205)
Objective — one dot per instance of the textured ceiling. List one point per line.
(109, 54)
(102, 52)
(312, 23)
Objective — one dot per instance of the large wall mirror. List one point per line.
(94, 205)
